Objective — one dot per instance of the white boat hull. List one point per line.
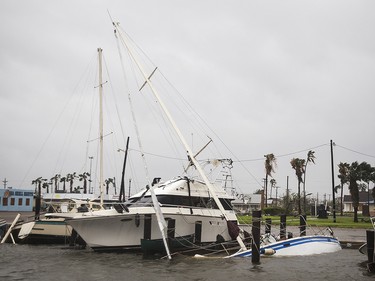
(44, 231)
(109, 230)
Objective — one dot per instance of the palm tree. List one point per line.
(70, 178)
(372, 179)
(46, 185)
(299, 166)
(38, 184)
(366, 174)
(83, 177)
(354, 175)
(114, 185)
(55, 179)
(107, 182)
(38, 187)
(269, 166)
(63, 179)
(343, 176)
(310, 158)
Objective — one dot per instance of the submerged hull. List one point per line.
(114, 231)
(299, 246)
(44, 231)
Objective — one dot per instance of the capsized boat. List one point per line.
(295, 246)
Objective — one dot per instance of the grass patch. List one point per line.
(341, 221)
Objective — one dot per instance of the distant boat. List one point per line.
(50, 230)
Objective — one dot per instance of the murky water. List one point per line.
(27, 262)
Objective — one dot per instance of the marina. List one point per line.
(62, 263)
(190, 206)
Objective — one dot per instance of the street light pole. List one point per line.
(90, 191)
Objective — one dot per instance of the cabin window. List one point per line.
(12, 201)
(226, 204)
(19, 201)
(185, 201)
(5, 201)
(27, 201)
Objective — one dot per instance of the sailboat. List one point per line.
(180, 213)
(51, 228)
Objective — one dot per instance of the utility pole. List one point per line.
(5, 183)
(287, 195)
(265, 190)
(333, 184)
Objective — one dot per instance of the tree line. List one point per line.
(43, 183)
(357, 176)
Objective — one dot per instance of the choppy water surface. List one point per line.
(27, 262)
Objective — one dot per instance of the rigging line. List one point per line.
(74, 120)
(210, 129)
(135, 124)
(153, 64)
(115, 100)
(364, 154)
(160, 218)
(93, 105)
(54, 125)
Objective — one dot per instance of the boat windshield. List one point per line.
(182, 201)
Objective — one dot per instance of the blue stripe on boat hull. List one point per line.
(307, 245)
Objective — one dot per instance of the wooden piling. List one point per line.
(255, 232)
(282, 227)
(268, 225)
(370, 250)
(302, 223)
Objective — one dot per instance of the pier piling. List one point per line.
(268, 225)
(302, 223)
(370, 250)
(282, 227)
(255, 232)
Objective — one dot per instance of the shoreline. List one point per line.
(348, 237)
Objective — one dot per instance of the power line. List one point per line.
(364, 154)
(284, 155)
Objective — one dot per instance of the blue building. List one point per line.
(18, 200)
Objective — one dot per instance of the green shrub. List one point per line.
(273, 211)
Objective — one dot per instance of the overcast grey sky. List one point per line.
(276, 77)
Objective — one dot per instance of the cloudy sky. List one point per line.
(281, 77)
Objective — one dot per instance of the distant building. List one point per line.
(21, 200)
(364, 199)
(247, 203)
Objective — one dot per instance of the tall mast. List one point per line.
(159, 214)
(100, 125)
(177, 130)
